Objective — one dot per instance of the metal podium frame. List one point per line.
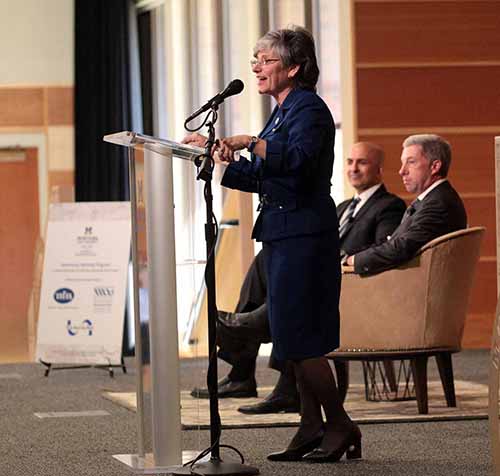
(165, 399)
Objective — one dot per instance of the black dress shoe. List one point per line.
(246, 325)
(351, 447)
(273, 403)
(230, 389)
(296, 454)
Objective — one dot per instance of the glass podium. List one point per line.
(165, 415)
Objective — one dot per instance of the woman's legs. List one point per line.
(310, 431)
(311, 420)
(328, 442)
(341, 433)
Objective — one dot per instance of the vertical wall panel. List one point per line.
(429, 96)
(60, 105)
(428, 31)
(21, 107)
(435, 67)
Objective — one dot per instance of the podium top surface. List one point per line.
(155, 144)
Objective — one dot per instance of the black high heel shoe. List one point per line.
(351, 447)
(296, 454)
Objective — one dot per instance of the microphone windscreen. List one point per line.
(234, 87)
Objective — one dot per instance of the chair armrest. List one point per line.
(450, 236)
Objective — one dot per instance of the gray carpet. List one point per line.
(84, 445)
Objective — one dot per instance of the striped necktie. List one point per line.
(411, 209)
(348, 215)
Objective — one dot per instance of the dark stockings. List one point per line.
(318, 389)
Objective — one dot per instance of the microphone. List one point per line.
(234, 87)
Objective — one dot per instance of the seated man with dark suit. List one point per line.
(368, 218)
(437, 209)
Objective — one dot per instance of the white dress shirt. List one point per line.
(363, 198)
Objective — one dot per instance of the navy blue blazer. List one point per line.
(293, 181)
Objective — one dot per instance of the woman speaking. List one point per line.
(290, 168)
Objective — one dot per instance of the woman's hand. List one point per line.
(223, 151)
(237, 142)
(227, 146)
(195, 139)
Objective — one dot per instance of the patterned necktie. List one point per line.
(347, 217)
(411, 210)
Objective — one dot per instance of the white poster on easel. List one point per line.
(82, 301)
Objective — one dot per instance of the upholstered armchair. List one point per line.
(412, 312)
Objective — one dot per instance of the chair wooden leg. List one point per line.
(390, 375)
(342, 371)
(445, 367)
(419, 371)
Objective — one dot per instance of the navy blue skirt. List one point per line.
(303, 295)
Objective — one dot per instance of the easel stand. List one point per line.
(108, 367)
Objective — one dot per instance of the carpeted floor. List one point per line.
(82, 444)
(472, 402)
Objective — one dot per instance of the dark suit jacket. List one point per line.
(375, 220)
(294, 179)
(441, 211)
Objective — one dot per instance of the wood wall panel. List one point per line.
(473, 162)
(481, 212)
(434, 66)
(61, 177)
(412, 31)
(423, 97)
(60, 106)
(21, 107)
(478, 331)
(483, 298)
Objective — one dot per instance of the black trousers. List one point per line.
(242, 353)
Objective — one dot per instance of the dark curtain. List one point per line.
(145, 55)
(102, 98)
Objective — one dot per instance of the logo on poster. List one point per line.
(103, 299)
(104, 291)
(88, 236)
(86, 326)
(64, 295)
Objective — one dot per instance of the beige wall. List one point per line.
(36, 83)
(36, 41)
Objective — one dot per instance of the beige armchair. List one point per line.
(412, 312)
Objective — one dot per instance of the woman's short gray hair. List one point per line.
(295, 46)
(434, 148)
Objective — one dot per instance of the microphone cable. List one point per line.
(195, 129)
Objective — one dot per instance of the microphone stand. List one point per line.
(215, 466)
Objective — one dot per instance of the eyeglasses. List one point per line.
(263, 62)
